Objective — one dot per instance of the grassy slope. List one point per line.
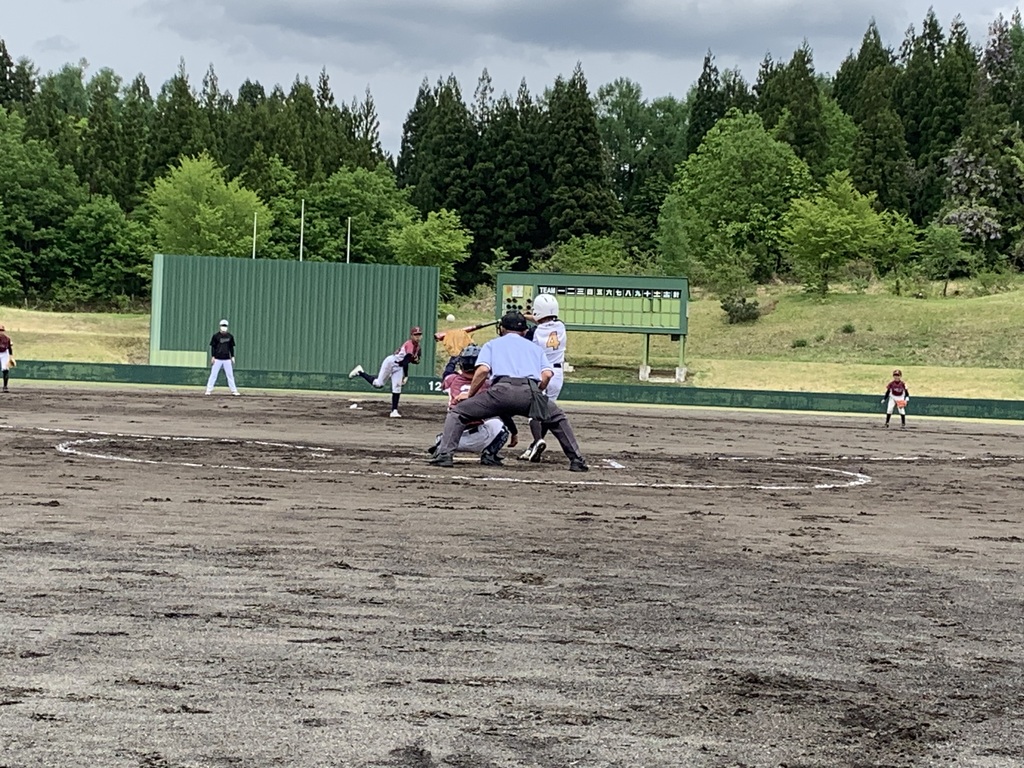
(957, 347)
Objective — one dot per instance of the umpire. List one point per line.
(519, 374)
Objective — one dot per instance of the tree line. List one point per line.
(907, 163)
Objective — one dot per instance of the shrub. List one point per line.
(819, 338)
(848, 328)
(739, 310)
(797, 343)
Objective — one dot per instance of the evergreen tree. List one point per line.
(448, 153)
(483, 101)
(215, 107)
(854, 71)
(917, 90)
(103, 151)
(366, 150)
(881, 163)
(736, 93)
(334, 128)
(409, 166)
(802, 123)
(582, 202)
(57, 114)
(708, 105)
(8, 95)
(248, 123)
(137, 114)
(177, 125)
(24, 82)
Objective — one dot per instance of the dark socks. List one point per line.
(394, 400)
(368, 377)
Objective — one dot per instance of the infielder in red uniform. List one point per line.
(395, 367)
(896, 396)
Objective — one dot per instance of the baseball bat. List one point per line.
(439, 336)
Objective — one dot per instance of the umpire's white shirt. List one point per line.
(512, 355)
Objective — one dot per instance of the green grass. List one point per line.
(953, 347)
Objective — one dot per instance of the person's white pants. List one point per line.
(229, 373)
(475, 439)
(892, 404)
(390, 369)
(554, 386)
(5, 361)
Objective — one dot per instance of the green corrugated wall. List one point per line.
(623, 395)
(288, 315)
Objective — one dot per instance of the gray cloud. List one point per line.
(444, 35)
(56, 44)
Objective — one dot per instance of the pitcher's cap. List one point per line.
(415, 330)
(223, 323)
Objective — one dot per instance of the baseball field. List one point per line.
(281, 580)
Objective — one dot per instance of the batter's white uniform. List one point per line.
(551, 337)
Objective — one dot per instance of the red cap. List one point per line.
(416, 330)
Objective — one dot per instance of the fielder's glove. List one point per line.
(11, 362)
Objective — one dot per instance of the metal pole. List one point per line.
(302, 228)
(348, 241)
(254, 234)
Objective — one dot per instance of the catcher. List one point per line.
(485, 437)
(6, 356)
(896, 396)
(395, 367)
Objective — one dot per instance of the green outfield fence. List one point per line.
(622, 394)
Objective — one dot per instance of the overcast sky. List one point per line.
(391, 45)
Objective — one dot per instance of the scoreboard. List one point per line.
(652, 306)
(649, 305)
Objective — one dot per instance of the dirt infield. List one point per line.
(278, 580)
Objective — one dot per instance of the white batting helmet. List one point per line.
(545, 305)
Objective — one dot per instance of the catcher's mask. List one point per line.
(468, 356)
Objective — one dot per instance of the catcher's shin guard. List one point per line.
(496, 444)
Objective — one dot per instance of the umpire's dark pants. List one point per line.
(505, 397)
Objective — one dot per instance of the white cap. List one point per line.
(223, 323)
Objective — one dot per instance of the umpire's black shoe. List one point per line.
(578, 464)
(442, 460)
(433, 449)
(491, 460)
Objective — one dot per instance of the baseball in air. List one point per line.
(450, 318)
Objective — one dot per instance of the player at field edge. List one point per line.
(222, 357)
(896, 397)
(6, 355)
(395, 367)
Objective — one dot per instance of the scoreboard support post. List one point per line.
(652, 306)
(645, 363)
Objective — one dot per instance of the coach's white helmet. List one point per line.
(545, 305)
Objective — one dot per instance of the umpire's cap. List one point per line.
(514, 321)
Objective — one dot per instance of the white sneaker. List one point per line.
(207, 393)
(236, 393)
(355, 371)
(396, 415)
(535, 451)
